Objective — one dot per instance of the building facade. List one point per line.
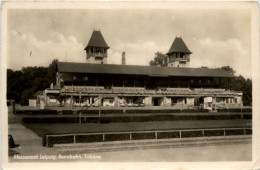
(96, 83)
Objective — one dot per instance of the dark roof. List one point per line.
(178, 45)
(65, 67)
(97, 40)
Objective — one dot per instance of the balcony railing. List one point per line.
(143, 91)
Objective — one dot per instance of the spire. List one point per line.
(178, 45)
(97, 40)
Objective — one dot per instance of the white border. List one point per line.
(137, 5)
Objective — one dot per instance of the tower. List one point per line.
(123, 58)
(179, 54)
(96, 50)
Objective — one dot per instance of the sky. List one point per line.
(216, 37)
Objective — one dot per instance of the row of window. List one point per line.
(97, 50)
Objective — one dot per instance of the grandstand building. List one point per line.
(96, 83)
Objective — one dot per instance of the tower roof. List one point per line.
(97, 40)
(178, 45)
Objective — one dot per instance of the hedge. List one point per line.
(167, 135)
(167, 111)
(75, 119)
(37, 112)
(147, 135)
(235, 110)
(187, 134)
(88, 111)
(111, 111)
(67, 112)
(88, 138)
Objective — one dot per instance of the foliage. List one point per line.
(228, 69)
(240, 84)
(160, 59)
(23, 84)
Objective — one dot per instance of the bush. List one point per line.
(89, 138)
(37, 112)
(111, 111)
(235, 110)
(67, 112)
(88, 111)
(139, 136)
(59, 140)
(154, 111)
(117, 137)
(187, 134)
(195, 110)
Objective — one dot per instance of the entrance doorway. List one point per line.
(157, 101)
(198, 101)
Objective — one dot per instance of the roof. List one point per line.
(178, 45)
(65, 67)
(97, 40)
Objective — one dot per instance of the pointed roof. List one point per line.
(178, 45)
(97, 40)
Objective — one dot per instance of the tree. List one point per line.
(160, 59)
(240, 84)
(52, 69)
(23, 84)
(228, 69)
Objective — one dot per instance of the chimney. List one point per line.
(123, 58)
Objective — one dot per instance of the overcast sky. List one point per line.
(215, 37)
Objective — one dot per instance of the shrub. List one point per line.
(37, 112)
(88, 111)
(67, 112)
(111, 111)
(235, 110)
(195, 110)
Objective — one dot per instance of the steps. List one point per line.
(150, 144)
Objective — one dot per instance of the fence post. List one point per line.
(47, 141)
(130, 136)
(155, 135)
(244, 131)
(103, 137)
(202, 133)
(224, 132)
(180, 134)
(74, 138)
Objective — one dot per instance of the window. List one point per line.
(129, 101)
(79, 101)
(98, 58)
(235, 100)
(111, 101)
(218, 100)
(227, 99)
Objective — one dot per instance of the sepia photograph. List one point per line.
(144, 82)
